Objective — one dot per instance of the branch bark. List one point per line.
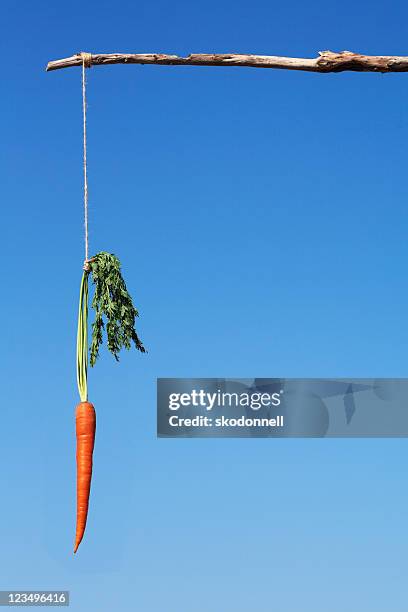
(327, 61)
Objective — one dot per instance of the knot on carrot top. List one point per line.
(87, 264)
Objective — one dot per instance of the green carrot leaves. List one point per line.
(112, 301)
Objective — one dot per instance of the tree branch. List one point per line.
(327, 61)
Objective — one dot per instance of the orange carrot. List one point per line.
(85, 432)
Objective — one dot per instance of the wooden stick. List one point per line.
(327, 61)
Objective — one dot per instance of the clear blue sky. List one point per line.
(261, 218)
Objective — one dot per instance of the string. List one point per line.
(82, 333)
(86, 63)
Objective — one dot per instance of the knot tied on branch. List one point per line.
(86, 59)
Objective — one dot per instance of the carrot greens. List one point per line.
(112, 301)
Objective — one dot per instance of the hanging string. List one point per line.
(86, 63)
(82, 333)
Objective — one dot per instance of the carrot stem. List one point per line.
(82, 340)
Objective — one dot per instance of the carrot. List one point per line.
(85, 433)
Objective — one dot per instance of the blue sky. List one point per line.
(260, 217)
